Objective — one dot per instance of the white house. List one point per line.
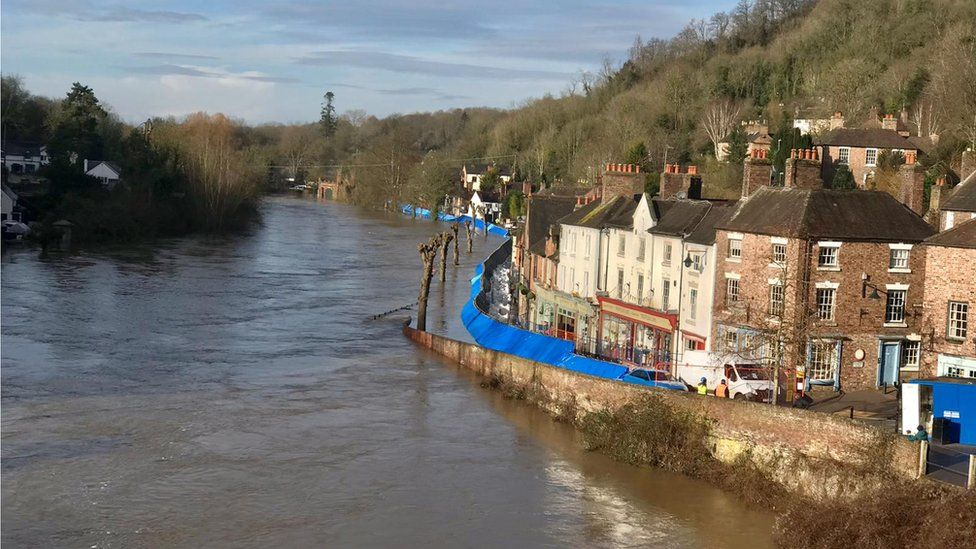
(20, 158)
(108, 173)
(8, 200)
(471, 175)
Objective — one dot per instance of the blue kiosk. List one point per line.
(946, 406)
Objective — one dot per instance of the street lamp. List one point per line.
(864, 288)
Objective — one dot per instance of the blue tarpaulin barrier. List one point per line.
(498, 336)
(478, 223)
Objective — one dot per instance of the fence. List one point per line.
(948, 465)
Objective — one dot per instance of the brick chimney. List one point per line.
(803, 169)
(889, 122)
(934, 215)
(757, 172)
(695, 187)
(621, 180)
(674, 182)
(911, 190)
(837, 121)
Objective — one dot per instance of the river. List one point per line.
(233, 391)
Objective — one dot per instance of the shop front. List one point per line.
(565, 316)
(635, 335)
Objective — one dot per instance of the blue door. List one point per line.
(889, 363)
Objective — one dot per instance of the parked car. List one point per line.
(652, 378)
(748, 378)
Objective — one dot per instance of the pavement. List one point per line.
(949, 463)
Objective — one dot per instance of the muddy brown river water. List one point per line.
(232, 392)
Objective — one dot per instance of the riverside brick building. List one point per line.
(948, 332)
(826, 283)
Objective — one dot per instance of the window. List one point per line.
(823, 360)
(825, 303)
(827, 256)
(667, 254)
(731, 291)
(666, 294)
(898, 259)
(586, 283)
(693, 303)
(735, 248)
(620, 283)
(640, 287)
(731, 340)
(586, 249)
(895, 307)
(694, 345)
(910, 352)
(779, 254)
(871, 157)
(843, 155)
(958, 320)
(696, 262)
(950, 220)
(777, 296)
(621, 245)
(641, 246)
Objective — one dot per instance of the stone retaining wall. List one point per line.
(812, 453)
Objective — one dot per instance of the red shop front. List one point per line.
(635, 335)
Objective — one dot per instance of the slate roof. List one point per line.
(960, 236)
(873, 216)
(704, 232)
(619, 213)
(866, 137)
(962, 197)
(681, 217)
(543, 212)
(18, 148)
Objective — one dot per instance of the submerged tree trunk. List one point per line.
(467, 225)
(428, 253)
(454, 230)
(484, 220)
(446, 239)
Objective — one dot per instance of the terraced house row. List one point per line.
(844, 289)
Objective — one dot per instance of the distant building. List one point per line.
(860, 148)
(8, 201)
(958, 204)
(756, 134)
(471, 175)
(22, 158)
(108, 173)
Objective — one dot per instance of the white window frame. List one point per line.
(730, 283)
(867, 157)
(826, 308)
(843, 155)
(734, 252)
(692, 303)
(823, 360)
(622, 245)
(828, 245)
(896, 249)
(911, 354)
(668, 250)
(957, 322)
(641, 248)
(891, 291)
(776, 287)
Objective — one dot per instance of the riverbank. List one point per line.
(840, 482)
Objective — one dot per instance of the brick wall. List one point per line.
(955, 268)
(858, 321)
(811, 453)
(912, 188)
(803, 173)
(621, 180)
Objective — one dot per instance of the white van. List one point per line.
(748, 379)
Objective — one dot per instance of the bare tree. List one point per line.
(445, 242)
(428, 253)
(718, 121)
(454, 230)
(467, 225)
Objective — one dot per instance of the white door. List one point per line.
(909, 408)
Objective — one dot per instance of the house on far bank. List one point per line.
(24, 158)
(956, 205)
(108, 173)
(756, 134)
(860, 148)
(471, 175)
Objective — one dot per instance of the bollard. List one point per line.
(923, 451)
(971, 483)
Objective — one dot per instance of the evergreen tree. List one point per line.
(328, 120)
(843, 179)
(75, 136)
(738, 146)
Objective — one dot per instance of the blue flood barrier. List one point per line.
(498, 336)
(424, 213)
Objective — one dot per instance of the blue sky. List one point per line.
(273, 60)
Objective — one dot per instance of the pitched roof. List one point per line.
(960, 236)
(704, 232)
(543, 212)
(20, 148)
(681, 218)
(825, 213)
(619, 212)
(477, 168)
(866, 137)
(92, 164)
(962, 197)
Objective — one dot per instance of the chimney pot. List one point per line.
(692, 170)
(940, 181)
(638, 168)
(836, 114)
